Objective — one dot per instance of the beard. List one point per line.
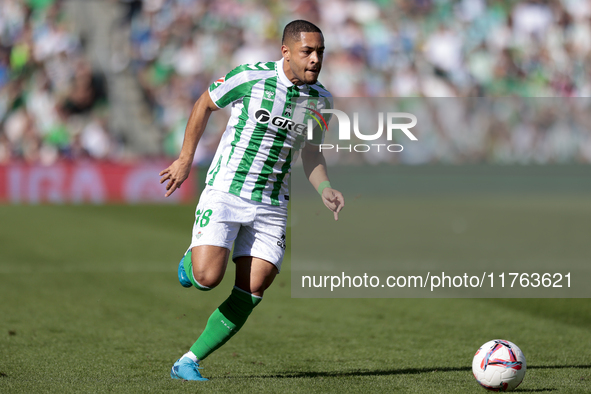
(310, 77)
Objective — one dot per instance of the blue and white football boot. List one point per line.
(187, 369)
(183, 277)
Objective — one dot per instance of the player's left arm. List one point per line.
(315, 169)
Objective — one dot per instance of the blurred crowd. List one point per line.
(53, 105)
(404, 48)
(375, 48)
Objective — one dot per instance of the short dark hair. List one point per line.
(293, 29)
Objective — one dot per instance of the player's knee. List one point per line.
(207, 280)
(208, 266)
(258, 290)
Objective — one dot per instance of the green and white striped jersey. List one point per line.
(253, 159)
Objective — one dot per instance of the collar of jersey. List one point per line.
(281, 74)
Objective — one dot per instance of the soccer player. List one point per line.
(245, 199)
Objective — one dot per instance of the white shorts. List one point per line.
(255, 228)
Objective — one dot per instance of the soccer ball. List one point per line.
(499, 365)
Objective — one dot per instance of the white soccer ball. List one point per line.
(499, 365)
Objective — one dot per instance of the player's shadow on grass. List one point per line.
(375, 372)
(410, 371)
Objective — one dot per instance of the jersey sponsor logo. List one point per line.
(262, 115)
(288, 124)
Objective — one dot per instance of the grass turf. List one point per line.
(90, 303)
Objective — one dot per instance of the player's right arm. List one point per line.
(179, 170)
(221, 93)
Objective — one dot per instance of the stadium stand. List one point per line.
(164, 53)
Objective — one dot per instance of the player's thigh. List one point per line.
(264, 238)
(254, 275)
(217, 222)
(209, 264)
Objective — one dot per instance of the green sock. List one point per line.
(224, 322)
(188, 265)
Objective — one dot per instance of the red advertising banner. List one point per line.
(88, 182)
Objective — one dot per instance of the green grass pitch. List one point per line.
(89, 302)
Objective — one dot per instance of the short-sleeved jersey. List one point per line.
(254, 157)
